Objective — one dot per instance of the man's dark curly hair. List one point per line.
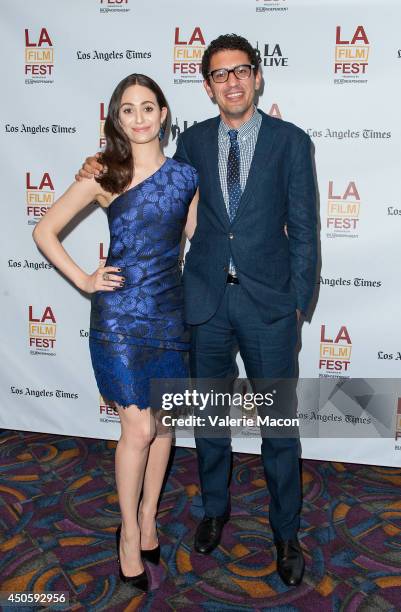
(229, 42)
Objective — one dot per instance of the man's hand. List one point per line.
(299, 314)
(90, 168)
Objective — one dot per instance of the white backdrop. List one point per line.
(331, 67)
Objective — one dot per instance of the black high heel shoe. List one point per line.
(140, 581)
(152, 555)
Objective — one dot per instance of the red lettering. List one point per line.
(31, 317)
(39, 70)
(343, 335)
(177, 40)
(351, 191)
(334, 364)
(44, 38)
(42, 342)
(48, 314)
(197, 36)
(28, 181)
(27, 42)
(102, 254)
(360, 35)
(45, 182)
(338, 37)
(275, 111)
(36, 211)
(331, 195)
(109, 410)
(322, 335)
(347, 68)
(339, 223)
(187, 68)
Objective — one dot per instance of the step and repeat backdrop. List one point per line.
(331, 67)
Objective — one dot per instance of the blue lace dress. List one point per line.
(138, 332)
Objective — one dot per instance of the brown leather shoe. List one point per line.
(290, 562)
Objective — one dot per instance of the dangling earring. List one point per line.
(161, 133)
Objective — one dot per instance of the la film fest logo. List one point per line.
(272, 55)
(188, 51)
(39, 196)
(264, 6)
(39, 57)
(343, 210)
(114, 6)
(42, 328)
(107, 412)
(335, 351)
(351, 56)
(102, 118)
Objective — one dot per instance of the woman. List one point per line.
(137, 330)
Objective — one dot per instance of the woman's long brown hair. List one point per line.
(117, 155)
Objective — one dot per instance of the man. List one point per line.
(246, 279)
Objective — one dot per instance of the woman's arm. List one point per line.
(190, 225)
(76, 198)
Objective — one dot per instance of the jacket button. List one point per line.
(231, 236)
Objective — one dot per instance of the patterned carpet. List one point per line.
(59, 511)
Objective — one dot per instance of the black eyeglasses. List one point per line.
(241, 72)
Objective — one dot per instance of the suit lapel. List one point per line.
(263, 148)
(211, 153)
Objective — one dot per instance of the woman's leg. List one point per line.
(159, 454)
(137, 431)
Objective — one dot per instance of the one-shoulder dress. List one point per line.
(137, 332)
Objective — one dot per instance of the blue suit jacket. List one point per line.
(279, 273)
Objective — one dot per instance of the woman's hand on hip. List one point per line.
(103, 279)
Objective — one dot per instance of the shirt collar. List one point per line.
(246, 128)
